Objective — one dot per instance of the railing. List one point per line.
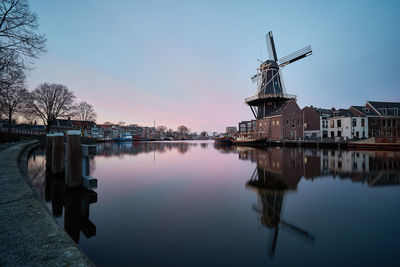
(265, 96)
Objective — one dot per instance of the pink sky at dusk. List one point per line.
(190, 62)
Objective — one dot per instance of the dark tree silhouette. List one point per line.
(51, 101)
(20, 43)
(85, 113)
(14, 96)
(183, 130)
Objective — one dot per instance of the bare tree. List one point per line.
(85, 113)
(19, 41)
(170, 131)
(121, 123)
(162, 128)
(183, 130)
(51, 101)
(14, 96)
(108, 123)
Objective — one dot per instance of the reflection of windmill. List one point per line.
(271, 190)
(271, 92)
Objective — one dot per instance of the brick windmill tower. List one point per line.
(271, 93)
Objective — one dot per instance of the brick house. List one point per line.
(283, 123)
(316, 122)
(386, 123)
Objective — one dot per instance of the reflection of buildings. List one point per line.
(370, 167)
(134, 148)
(279, 171)
(73, 203)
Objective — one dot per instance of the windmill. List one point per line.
(271, 91)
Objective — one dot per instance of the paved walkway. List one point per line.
(29, 235)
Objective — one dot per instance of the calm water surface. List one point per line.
(194, 204)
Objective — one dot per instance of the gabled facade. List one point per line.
(285, 123)
(385, 121)
(344, 125)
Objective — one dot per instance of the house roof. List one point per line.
(278, 110)
(64, 123)
(391, 107)
(365, 111)
(343, 113)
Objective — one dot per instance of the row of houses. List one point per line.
(90, 129)
(289, 122)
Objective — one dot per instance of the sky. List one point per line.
(190, 62)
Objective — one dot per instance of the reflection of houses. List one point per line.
(134, 148)
(290, 165)
(278, 171)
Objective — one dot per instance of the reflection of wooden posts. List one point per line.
(49, 150)
(58, 153)
(76, 216)
(88, 152)
(73, 159)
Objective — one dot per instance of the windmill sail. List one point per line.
(271, 47)
(299, 54)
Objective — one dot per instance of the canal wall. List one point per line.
(29, 234)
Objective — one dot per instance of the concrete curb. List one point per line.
(29, 234)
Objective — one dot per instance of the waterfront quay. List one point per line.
(29, 234)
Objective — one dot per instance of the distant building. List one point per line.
(61, 126)
(315, 122)
(231, 130)
(383, 118)
(345, 125)
(247, 126)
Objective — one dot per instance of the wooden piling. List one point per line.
(73, 166)
(58, 153)
(49, 150)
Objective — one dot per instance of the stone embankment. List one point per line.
(29, 235)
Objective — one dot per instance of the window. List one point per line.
(287, 122)
(395, 111)
(394, 123)
(339, 164)
(362, 123)
(366, 110)
(383, 122)
(389, 123)
(373, 121)
(298, 122)
(382, 111)
(339, 133)
(273, 123)
(332, 124)
(354, 122)
(339, 123)
(277, 122)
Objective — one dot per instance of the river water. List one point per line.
(195, 204)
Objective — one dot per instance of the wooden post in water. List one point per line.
(49, 150)
(73, 160)
(58, 153)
